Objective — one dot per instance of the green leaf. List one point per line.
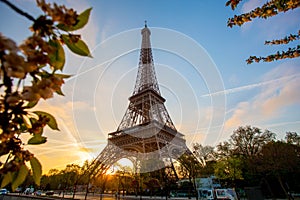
(31, 104)
(82, 18)
(57, 58)
(79, 47)
(27, 121)
(7, 178)
(64, 27)
(20, 178)
(37, 139)
(62, 75)
(59, 91)
(36, 170)
(52, 121)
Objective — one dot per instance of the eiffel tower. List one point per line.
(146, 134)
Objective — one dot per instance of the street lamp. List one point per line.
(140, 186)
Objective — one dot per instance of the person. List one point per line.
(290, 196)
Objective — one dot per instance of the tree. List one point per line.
(203, 153)
(292, 138)
(279, 159)
(51, 180)
(269, 9)
(224, 150)
(152, 184)
(66, 179)
(247, 141)
(70, 177)
(83, 176)
(125, 177)
(229, 169)
(30, 72)
(238, 152)
(189, 168)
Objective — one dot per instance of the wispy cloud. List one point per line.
(272, 102)
(276, 26)
(282, 124)
(250, 5)
(251, 86)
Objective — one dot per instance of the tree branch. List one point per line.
(269, 9)
(285, 40)
(12, 6)
(290, 53)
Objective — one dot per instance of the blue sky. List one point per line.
(206, 107)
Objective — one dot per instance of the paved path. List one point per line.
(91, 196)
(126, 197)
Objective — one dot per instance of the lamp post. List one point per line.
(140, 186)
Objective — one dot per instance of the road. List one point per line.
(104, 197)
(112, 197)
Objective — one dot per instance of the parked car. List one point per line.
(49, 193)
(19, 189)
(4, 191)
(38, 193)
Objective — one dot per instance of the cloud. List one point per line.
(276, 26)
(252, 86)
(250, 5)
(274, 99)
(239, 115)
(94, 31)
(280, 25)
(287, 94)
(55, 153)
(247, 7)
(283, 123)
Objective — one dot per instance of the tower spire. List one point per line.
(146, 78)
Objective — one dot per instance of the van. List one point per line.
(217, 194)
(29, 191)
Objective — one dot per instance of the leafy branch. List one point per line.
(269, 9)
(33, 66)
(285, 40)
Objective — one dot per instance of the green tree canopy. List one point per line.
(248, 141)
(229, 168)
(203, 153)
(292, 138)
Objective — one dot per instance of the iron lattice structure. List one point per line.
(146, 134)
(146, 102)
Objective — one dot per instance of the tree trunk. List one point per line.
(87, 188)
(282, 186)
(268, 186)
(74, 190)
(63, 193)
(86, 191)
(191, 182)
(195, 187)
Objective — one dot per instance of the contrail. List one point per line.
(249, 87)
(282, 124)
